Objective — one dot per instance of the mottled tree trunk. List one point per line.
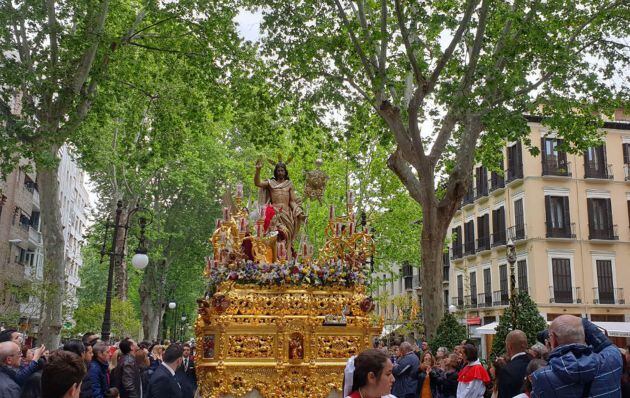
(120, 266)
(432, 246)
(152, 298)
(54, 262)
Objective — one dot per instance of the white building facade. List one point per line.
(74, 203)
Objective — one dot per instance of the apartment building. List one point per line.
(74, 204)
(21, 254)
(569, 217)
(21, 245)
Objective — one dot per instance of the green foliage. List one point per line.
(125, 323)
(526, 318)
(449, 333)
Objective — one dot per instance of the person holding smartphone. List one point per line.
(582, 363)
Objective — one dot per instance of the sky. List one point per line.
(249, 24)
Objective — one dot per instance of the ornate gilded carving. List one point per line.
(273, 339)
(250, 346)
(338, 346)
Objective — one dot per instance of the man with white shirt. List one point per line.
(163, 383)
(511, 376)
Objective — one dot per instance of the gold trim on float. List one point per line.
(273, 339)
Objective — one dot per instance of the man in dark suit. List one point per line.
(511, 376)
(185, 374)
(163, 383)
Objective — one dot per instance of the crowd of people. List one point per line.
(573, 358)
(91, 368)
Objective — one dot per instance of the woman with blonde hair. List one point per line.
(426, 379)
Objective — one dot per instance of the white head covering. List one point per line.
(348, 375)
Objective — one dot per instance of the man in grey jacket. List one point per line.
(10, 356)
(406, 372)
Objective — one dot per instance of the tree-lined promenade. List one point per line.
(167, 106)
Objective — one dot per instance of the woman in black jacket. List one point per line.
(446, 380)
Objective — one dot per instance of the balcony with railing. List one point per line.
(484, 300)
(500, 297)
(565, 232)
(598, 170)
(458, 302)
(608, 296)
(483, 243)
(34, 236)
(481, 189)
(497, 181)
(469, 248)
(514, 174)
(556, 167)
(456, 251)
(517, 232)
(565, 296)
(603, 234)
(469, 197)
(498, 238)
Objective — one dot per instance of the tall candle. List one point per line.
(351, 231)
(331, 212)
(337, 229)
(218, 223)
(226, 214)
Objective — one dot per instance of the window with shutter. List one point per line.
(473, 288)
(515, 162)
(605, 282)
(562, 287)
(460, 290)
(487, 286)
(503, 284)
(595, 162)
(469, 237)
(519, 220)
(600, 223)
(456, 234)
(498, 226)
(521, 266)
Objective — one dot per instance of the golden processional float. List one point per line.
(278, 321)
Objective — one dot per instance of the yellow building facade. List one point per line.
(569, 217)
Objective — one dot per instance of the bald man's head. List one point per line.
(566, 329)
(10, 354)
(516, 342)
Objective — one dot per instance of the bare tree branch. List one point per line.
(404, 32)
(382, 58)
(87, 59)
(401, 168)
(137, 32)
(448, 53)
(355, 42)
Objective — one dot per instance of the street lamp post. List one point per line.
(511, 258)
(139, 260)
(183, 326)
(172, 305)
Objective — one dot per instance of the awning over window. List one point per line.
(489, 328)
(388, 329)
(615, 329)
